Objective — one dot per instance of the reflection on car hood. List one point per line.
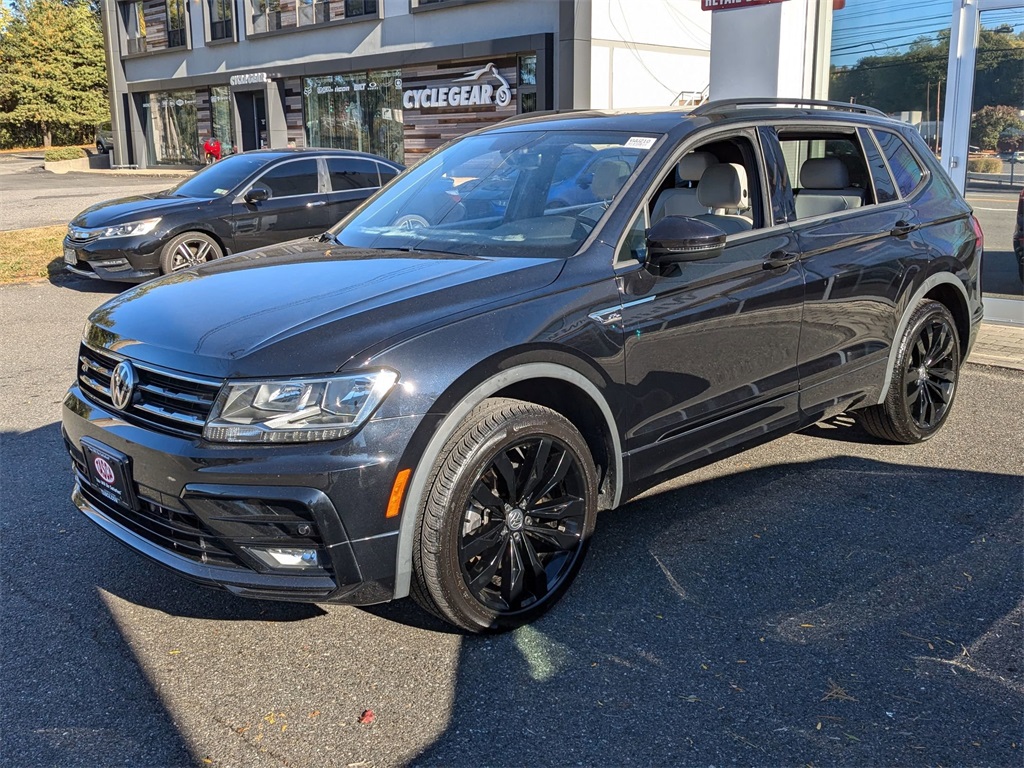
(132, 208)
(303, 307)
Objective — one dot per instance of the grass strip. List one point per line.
(29, 254)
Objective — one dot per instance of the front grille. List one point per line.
(81, 236)
(176, 530)
(164, 400)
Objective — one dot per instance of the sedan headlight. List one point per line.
(296, 410)
(131, 228)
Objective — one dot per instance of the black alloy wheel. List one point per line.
(522, 528)
(508, 519)
(924, 379)
(930, 375)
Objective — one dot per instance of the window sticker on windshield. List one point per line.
(220, 191)
(641, 142)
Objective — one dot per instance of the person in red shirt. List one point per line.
(211, 148)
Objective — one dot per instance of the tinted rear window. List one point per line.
(904, 166)
(352, 173)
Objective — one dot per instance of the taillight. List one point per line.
(978, 234)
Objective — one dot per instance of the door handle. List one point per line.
(902, 229)
(317, 204)
(779, 259)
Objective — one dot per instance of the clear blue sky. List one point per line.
(878, 27)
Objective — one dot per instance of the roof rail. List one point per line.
(717, 106)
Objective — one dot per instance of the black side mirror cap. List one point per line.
(257, 195)
(680, 238)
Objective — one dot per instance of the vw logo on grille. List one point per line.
(122, 385)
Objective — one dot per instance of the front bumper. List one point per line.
(211, 512)
(123, 259)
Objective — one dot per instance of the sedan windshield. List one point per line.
(502, 194)
(220, 178)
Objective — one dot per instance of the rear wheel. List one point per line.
(188, 249)
(924, 379)
(508, 518)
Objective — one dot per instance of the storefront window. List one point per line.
(176, 22)
(527, 83)
(173, 135)
(361, 111)
(223, 127)
(220, 19)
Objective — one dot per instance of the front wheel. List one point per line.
(509, 514)
(924, 379)
(188, 249)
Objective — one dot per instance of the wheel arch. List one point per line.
(550, 384)
(947, 289)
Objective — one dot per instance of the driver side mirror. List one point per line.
(584, 181)
(677, 239)
(257, 195)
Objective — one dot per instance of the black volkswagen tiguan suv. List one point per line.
(439, 405)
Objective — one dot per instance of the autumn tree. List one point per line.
(52, 69)
(996, 128)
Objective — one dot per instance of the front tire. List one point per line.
(508, 517)
(924, 379)
(189, 249)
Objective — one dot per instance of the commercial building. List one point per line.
(393, 77)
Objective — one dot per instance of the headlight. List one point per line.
(296, 410)
(131, 228)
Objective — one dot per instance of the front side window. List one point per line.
(495, 195)
(718, 182)
(902, 162)
(176, 24)
(290, 179)
(221, 21)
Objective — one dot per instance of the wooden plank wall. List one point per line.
(426, 130)
(293, 113)
(155, 14)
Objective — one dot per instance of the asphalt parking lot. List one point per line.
(824, 599)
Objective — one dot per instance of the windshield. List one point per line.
(512, 193)
(220, 178)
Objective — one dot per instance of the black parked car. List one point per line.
(441, 410)
(241, 202)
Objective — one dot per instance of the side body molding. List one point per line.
(416, 491)
(937, 279)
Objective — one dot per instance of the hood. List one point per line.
(303, 307)
(126, 209)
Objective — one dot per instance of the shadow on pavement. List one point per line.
(821, 612)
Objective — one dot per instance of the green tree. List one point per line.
(991, 123)
(52, 69)
(907, 81)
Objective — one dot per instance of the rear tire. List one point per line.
(924, 379)
(511, 506)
